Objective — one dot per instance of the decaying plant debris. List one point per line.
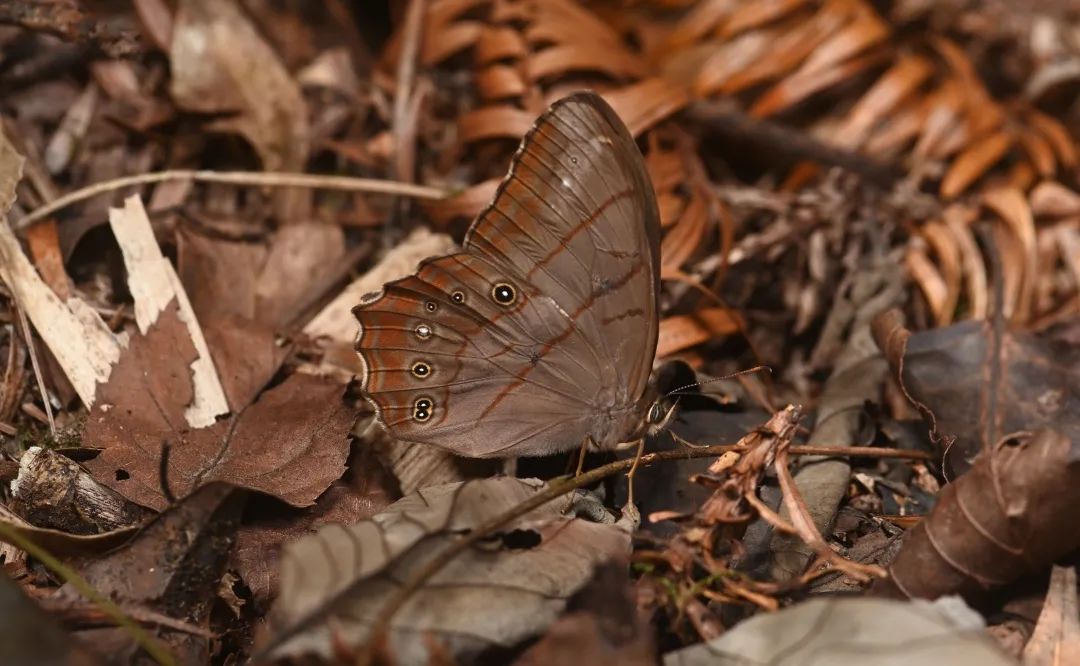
(879, 202)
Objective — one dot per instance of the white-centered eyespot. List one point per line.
(423, 408)
(423, 331)
(420, 370)
(504, 293)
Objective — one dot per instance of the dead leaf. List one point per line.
(221, 65)
(604, 627)
(246, 354)
(972, 396)
(63, 543)
(292, 443)
(495, 594)
(852, 632)
(304, 259)
(173, 567)
(365, 490)
(219, 276)
(1010, 515)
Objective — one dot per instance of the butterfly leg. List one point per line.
(581, 456)
(633, 470)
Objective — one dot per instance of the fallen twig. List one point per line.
(256, 178)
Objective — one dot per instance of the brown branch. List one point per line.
(789, 142)
(70, 23)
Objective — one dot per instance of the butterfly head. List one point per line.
(660, 413)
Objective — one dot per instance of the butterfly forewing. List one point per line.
(542, 331)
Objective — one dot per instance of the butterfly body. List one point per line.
(542, 331)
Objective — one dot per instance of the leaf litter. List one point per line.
(176, 419)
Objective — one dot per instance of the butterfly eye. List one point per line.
(423, 331)
(656, 413)
(504, 294)
(422, 409)
(458, 297)
(421, 370)
(431, 306)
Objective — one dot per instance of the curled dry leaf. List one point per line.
(971, 393)
(335, 582)
(292, 443)
(1011, 514)
(62, 543)
(851, 632)
(221, 65)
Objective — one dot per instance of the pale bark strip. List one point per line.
(154, 284)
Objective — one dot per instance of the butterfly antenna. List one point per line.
(740, 373)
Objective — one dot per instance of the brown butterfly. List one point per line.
(540, 334)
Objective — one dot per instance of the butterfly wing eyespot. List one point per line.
(560, 279)
(504, 293)
(423, 408)
(420, 370)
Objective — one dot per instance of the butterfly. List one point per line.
(540, 334)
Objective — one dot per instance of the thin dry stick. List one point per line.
(558, 487)
(254, 178)
(404, 122)
(37, 369)
(808, 532)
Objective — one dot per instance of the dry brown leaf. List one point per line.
(44, 243)
(247, 356)
(644, 104)
(1010, 515)
(81, 343)
(173, 567)
(851, 632)
(604, 627)
(1056, 639)
(1054, 200)
(221, 65)
(805, 82)
(687, 234)
(219, 276)
(1012, 206)
(753, 14)
(940, 238)
(32, 635)
(334, 583)
(495, 122)
(974, 162)
(882, 99)
(973, 395)
(64, 544)
(292, 443)
(366, 489)
(303, 260)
